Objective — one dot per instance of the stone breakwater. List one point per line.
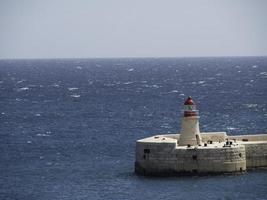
(193, 152)
(218, 154)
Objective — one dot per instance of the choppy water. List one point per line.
(68, 127)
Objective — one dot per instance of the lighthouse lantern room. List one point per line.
(190, 134)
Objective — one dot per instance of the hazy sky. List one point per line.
(132, 28)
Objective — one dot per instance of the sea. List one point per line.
(68, 127)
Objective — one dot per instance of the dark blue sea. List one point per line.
(68, 126)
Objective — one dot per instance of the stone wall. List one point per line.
(256, 149)
(256, 155)
(156, 159)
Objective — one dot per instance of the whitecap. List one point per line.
(78, 67)
(3, 113)
(201, 82)
(263, 73)
(72, 88)
(173, 91)
(109, 84)
(211, 78)
(75, 95)
(251, 105)
(130, 70)
(165, 125)
(155, 86)
(29, 142)
(37, 114)
(21, 81)
(23, 89)
(182, 94)
(42, 135)
(127, 83)
(248, 84)
(55, 85)
(255, 66)
(152, 86)
(231, 128)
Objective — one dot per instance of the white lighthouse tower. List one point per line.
(189, 134)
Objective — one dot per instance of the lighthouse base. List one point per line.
(219, 154)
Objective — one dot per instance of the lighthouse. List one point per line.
(189, 134)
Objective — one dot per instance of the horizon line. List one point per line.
(130, 57)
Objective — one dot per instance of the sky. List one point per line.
(132, 28)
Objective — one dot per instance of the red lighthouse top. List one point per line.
(189, 101)
(190, 108)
